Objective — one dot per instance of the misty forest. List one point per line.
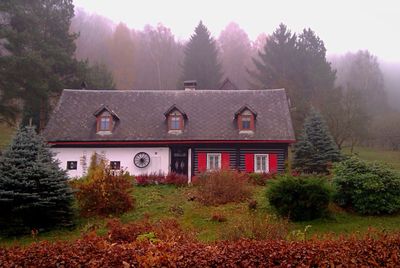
(358, 95)
(124, 146)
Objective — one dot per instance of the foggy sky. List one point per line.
(343, 25)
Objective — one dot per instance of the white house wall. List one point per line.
(159, 159)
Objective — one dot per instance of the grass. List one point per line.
(158, 202)
(391, 158)
(6, 133)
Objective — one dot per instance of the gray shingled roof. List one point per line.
(210, 115)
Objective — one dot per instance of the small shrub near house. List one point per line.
(221, 187)
(367, 188)
(104, 192)
(171, 178)
(261, 178)
(299, 198)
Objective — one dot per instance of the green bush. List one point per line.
(299, 198)
(368, 188)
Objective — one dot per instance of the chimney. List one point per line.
(190, 85)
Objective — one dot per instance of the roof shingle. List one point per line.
(210, 113)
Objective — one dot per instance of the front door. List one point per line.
(179, 160)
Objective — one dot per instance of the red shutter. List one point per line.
(225, 161)
(201, 162)
(249, 161)
(273, 163)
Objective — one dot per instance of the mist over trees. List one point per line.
(358, 96)
(235, 48)
(201, 62)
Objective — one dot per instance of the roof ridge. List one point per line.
(172, 90)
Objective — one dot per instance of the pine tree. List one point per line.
(34, 193)
(201, 59)
(315, 150)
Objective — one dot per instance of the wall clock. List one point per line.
(141, 160)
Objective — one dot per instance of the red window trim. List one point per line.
(99, 123)
(240, 124)
(181, 121)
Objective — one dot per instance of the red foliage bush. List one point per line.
(221, 187)
(218, 218)
(150, 179)
(108, 194)
(159, 178)
(165, 230)
(95, 251)
(176, 179)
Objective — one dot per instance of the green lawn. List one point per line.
(392, 158)
(159, 202)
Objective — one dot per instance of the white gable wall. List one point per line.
(159, 159)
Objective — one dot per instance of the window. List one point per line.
(175, 122)
(105, 123)
(213, 161)
(246, 122)
(72, 165)
(261, 163)
(115, 165)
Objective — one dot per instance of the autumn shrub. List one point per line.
(149, 179)
(367, 188)
(171, 178)
(257, 227)
(377, 250)
(299, 198)
(221, 187)
(261, 178)
(105, 194)
(176, 179)
(217, 217)
(163, 230)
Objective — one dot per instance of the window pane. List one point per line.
(105, 123)
(246, 122)
(175, 122)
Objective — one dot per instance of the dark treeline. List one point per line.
(351, 91)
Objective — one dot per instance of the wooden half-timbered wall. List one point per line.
(238, 154)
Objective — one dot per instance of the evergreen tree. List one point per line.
(34, 193)
(297, 64)
(315, 150)
(40, 60)
(201, 59)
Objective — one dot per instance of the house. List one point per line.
(186, 131)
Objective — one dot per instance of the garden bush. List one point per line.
(221, 187)
(299, 198)
(107, 193)
(367, 188)
(261, 178)
(171, 178)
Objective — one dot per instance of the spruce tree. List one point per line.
(315, 150)
(34, 193)
(201, 60)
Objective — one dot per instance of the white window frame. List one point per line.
(256, 169)
(209, 155)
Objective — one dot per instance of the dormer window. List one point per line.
(176, 119)
(104, 123)
(245, 117)
(105, 120)
(246, 122)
